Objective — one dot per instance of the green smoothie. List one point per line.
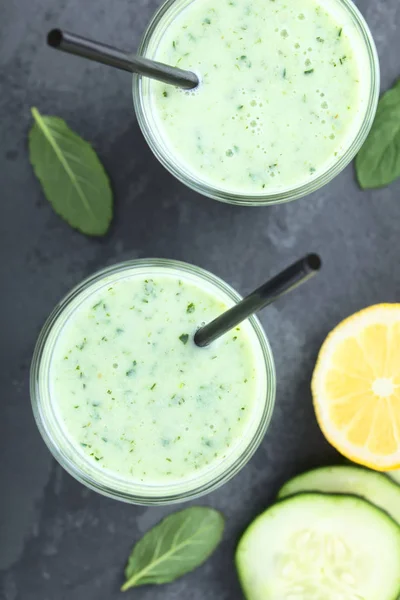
(136, 397)
(284, 90)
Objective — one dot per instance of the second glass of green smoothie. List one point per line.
(127, 402)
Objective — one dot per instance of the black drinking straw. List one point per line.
(107, 55)
(286, 281)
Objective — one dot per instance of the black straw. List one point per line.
(107, 55)
(286, 281)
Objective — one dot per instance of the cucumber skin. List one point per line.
(352, 471)
(300, 495)
(394, 476)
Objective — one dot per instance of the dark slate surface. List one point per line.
(58, 541)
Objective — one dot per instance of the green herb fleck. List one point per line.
(153, 386)
(309, 72)
(207, 21)
(118, 331)
(340, 32)
(165, 94)
(132, 371)
(245, 60)
(184, 338)
(284, 74)
(174, 45)
(191, 308)
(82, 344)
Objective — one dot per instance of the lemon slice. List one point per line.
(356, 387)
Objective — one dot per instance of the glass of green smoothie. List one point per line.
(288, 93)
(125, 400)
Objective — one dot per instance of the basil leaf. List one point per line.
(378, 162)
(177, 545)
(72, 176)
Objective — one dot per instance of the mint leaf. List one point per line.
(174, 547)
(71, 174)
(184, 338)
(378, 162)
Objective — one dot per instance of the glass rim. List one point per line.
(107, 485)
(287, 195)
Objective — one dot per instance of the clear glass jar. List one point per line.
(151, 131)
(112, 484)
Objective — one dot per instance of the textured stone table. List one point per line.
(58, 541)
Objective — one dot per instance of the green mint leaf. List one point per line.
(184, 338)
(72, 176)
(378, 162)
(174, 547)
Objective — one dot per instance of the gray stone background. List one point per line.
(58, 541)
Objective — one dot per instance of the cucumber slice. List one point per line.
(395, 475)
(320, 547)
(370, 485)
